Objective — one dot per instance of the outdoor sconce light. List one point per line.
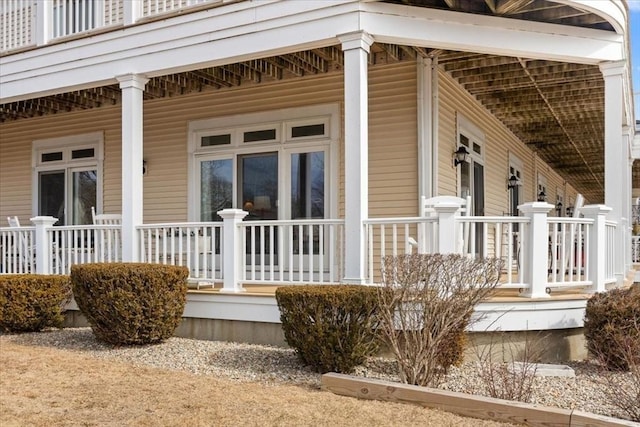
(513, 182)
(559, 208)
(144, 167)
(542, 197)
(460, 155)
(569, 211)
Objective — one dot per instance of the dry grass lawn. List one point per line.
(49, 387)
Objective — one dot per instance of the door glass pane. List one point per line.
(307, 185)
(465, 179)
(307, 196)
(84, 186)
(216, 188)
(259, 185)
(51, 195)
(478, 203)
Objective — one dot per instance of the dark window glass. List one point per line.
(210, 141)
(52, 157)
(83, 154)
(307, 130)
(260, 135)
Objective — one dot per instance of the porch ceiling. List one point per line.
(556, 108)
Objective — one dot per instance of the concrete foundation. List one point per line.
(553, 346)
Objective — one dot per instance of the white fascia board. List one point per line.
(611, 10)
(203, 39)
(398, 24)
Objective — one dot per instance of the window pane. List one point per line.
(307, 185)
(259, 185)
(260, 135)
(83, 154)
(51, 157)
(216, 188)
(213, 140)
(308, 130)
(51, 195)
(84, 196)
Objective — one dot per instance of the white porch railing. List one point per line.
(292, 251)
(541, 253)
(17, 250)
(635, 249)
(198, 246)
(25, 23)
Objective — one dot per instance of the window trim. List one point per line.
(283, 119)
(67, 144)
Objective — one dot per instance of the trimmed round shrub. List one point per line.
(331, 327)
(131, 303)
(611, 326)
(32, 302)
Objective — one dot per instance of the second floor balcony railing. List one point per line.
(30, 23)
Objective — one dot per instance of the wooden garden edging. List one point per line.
(465, 404)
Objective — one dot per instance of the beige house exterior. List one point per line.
(321, 128)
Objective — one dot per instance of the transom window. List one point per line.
(67, 176)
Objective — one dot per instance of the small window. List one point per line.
(51, 157)
(477, 148)
(307, 130)
(84, 153)
(213, 140)
(464, 140)
(260, 135)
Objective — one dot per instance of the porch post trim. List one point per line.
(615, 153)
(356, 157)
(132, 87)
(231, 255)
(43, 243)
(132, 11)
(597, 245)
(535, 264)
(448, 230)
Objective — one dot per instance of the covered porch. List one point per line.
(300, 147)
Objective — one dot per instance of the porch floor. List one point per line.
(500, 295)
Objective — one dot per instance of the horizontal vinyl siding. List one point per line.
(393, 150)
(166, 132)
(16, 140)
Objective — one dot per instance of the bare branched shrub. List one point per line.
(512, 379)
(426, 303)
(622, 389)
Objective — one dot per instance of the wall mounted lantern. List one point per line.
(542, 197)
(513, 182)
(460, 155)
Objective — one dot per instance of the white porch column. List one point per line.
(627, 140)
(132, 86)
(615, 154)
(43, 243)
(597, 255)
(44, 22)
(132, 11)
(231, 255)
(535, 255)
(356, 157)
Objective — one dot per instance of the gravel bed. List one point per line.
(274, 365)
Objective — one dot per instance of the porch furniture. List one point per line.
(105, 219)
(107, 240)
(20, 252)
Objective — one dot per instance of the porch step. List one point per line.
(543, 369)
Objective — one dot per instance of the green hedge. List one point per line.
(131, 303)
(32, 302)
(611, 321)
(331, 327)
